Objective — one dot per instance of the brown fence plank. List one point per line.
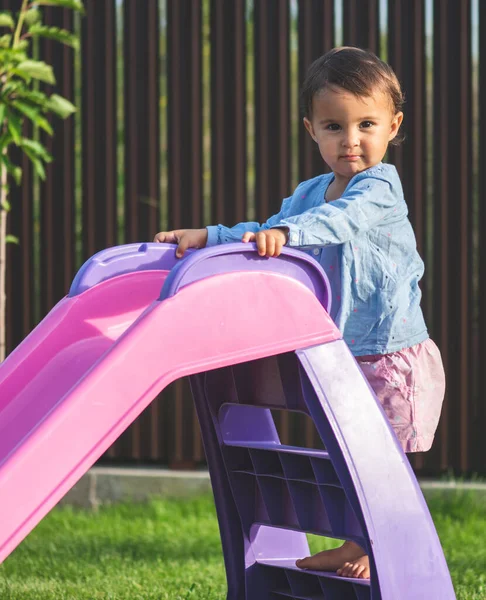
(316, 36)
(361, 24)
(142, 170)
(20, 290)
(57, 192)
(272, 106)
(406, 54)
(479, 413)
(453, 207)
(228, 111)
(185, 187)
(99, 126)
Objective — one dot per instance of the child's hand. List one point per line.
(184, 238)
(269, 241)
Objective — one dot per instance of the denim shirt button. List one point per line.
(316, 251)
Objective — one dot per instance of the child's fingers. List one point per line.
(183, 246)
(278, 247)
(169, 237)
(261, 242)
(248, 236)
(270, 250)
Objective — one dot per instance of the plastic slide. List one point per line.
(254, 334)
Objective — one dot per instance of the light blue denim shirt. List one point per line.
(375, 294)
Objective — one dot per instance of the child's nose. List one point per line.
(350, 139)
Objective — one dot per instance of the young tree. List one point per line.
(20, 100)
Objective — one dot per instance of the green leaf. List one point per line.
(22, 45)
(33, 113)
(37, 70)
(5, 141)
(55, 33)
(6, 20)
(37, 162)
(12, 55)
(2, 113)
(12, 87)
(60, 106)
(72, 4)
(6, 205)
(32, 16)
(45, 125)
(34, 97)
(12, 239)
(13, 170)
(37, 149)
(26, 109)
(14, 124)
(6, 40)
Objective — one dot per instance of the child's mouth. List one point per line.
(351, 157)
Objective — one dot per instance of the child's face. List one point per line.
(352, 132)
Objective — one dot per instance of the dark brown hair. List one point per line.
(356, 70)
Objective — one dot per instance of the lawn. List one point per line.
(171, 550)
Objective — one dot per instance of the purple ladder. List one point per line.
(268, 495)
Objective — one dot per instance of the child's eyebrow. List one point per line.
(367, 118)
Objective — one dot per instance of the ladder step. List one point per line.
(314, 453)
(289, 564)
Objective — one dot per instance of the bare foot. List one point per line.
(343, 558)
(359, 568)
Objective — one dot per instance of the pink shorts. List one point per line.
(410, 386)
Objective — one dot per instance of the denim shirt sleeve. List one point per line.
(366, 201)
(219, 234)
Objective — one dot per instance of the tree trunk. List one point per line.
(3, 261)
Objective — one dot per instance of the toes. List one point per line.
(353, 570)
(365, 574)
(345, 569)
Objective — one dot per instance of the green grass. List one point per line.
(171, 550)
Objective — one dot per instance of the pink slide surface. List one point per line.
(101, 356)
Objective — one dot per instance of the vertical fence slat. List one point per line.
(57, 192)
(480, 415)
(316, 36)
(228, 111)
(99, 126)
(185, 186)
(20, 312)
(453, 206)
(361, 24)
(20, 290)
(272, 106)
(406, 55)
(142, 171)
(99, 143)
(272, 117)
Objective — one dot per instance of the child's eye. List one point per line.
(366, 124)
(333, 127)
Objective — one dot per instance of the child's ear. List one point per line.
(310, 129)
(395, 125)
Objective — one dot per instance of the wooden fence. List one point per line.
(189, 116)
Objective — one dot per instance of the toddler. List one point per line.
(354, 221)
